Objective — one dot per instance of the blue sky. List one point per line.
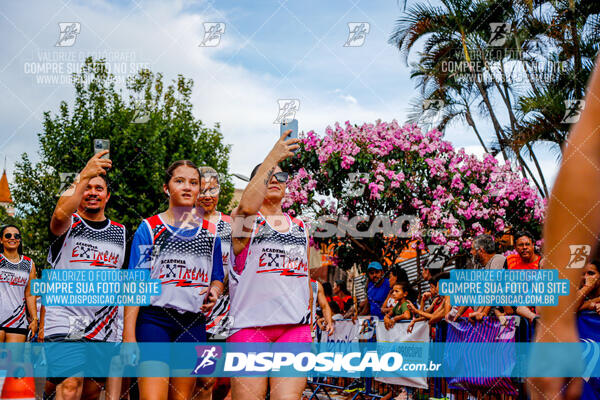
(270, 50)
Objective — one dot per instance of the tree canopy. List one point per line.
(149, 124)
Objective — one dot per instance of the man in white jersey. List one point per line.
(83, 239)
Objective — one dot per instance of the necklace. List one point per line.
(12, 260)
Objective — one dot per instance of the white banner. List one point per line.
(345, 331)
(398, 334)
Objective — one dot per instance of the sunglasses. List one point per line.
(213, 191)
(10, 236)
(281, 177)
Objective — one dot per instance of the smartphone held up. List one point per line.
(101, 145)
(286, 126)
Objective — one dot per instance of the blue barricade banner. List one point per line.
(459, 355)
(493, 360)
(589, 332)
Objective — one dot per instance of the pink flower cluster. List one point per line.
(456, 196)
(298, 189)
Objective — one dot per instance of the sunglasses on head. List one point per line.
(281, 177)
(10, 236)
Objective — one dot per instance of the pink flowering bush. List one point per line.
(384, 169)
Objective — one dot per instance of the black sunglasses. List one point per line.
(10, 235)
(281, 176)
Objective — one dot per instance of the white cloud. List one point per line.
(239, 96)
(244, 102)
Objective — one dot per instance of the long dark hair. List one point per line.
(343, 288)
(402, 278)
(2, 229)
(327, 289)
(399, 273)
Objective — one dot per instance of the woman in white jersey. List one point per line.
(271, 300)
(185, 255)
(217, 321)
(16, 273)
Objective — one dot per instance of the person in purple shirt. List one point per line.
(377, 291)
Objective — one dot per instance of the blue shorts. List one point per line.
(75, 358)
(158, 325)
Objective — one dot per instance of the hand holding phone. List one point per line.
(100, 145)
(286, 126)
(287, 144)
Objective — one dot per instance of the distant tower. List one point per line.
(5, 199)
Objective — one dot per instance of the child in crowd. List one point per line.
(435, 309)
(400, 310)
(336, 315)
(589, 289)
(390, 302)
(397, 313)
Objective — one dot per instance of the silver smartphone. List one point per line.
(293, 125)
(100, 145)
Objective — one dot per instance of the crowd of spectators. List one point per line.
(390, 297)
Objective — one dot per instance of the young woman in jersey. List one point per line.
(186, 257)
(16, 273)
(208, 199)
(271, 301)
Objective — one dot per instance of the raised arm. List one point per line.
(70, 198)
(573, 218)
(254, 194)
(573, 215)
(441, 312)
(384, 309)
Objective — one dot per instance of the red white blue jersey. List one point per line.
(119, 318)
(87, 248)
(183, 264)
(272, 277)
(217, 320)
(224, 232)
(13, 281)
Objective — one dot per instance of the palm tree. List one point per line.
(543, 35)
(570, 33)
(457, 98)
(455, 34)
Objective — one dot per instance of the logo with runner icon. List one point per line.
(207, 359)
